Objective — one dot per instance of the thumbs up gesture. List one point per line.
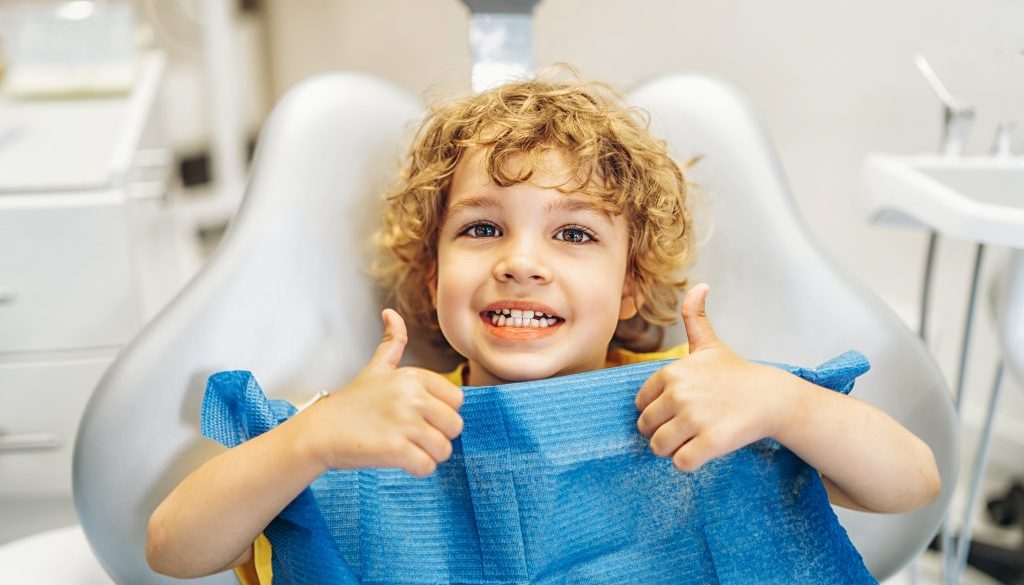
(387, 416)
(709, 403)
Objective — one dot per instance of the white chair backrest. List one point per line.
(287, 295)
(776, 296)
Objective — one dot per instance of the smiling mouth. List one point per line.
(520, 325)
(516, 318)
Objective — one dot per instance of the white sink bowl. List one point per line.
(979, 199)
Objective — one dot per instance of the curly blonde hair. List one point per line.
(609, 150)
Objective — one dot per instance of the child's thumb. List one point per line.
(392, 346)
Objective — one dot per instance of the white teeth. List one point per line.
(520, 318)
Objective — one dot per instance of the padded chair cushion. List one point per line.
(550, 482)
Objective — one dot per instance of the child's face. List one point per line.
(525, 247)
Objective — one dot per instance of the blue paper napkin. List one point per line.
(551, 483)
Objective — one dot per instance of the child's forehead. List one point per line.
(545, 168)
(473, 187)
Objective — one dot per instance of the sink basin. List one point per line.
(978, 198)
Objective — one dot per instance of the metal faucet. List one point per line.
(1002, 146)
(958, 115)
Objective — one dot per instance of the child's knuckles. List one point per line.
(422, 375)
(409, 392)
(414, 400)
(685, 416)
(674, 372)
(716, 442)
(400, 416)
(676, 397)
(395, 446)
(409, 376)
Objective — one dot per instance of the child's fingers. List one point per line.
(656, 414)
(417, 462)
(692, 455)
(650, 391)
(431, 441)
(670, 436)
(441, 416)
(440, 387)
(392, 346)
(699, 332)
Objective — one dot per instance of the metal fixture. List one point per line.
(501, 41)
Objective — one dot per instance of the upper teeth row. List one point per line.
(501, 320)
(518, 314)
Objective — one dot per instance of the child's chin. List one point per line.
(527, 371)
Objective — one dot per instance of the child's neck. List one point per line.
(474, 375)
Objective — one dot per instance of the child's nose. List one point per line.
(521, 268)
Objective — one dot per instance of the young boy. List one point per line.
(537, 228)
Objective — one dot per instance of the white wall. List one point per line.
(831, 80)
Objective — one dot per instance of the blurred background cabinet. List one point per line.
(89, 251)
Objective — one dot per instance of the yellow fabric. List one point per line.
(259, 571)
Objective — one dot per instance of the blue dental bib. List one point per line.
(551, 483)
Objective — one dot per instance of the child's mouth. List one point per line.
(515, 324)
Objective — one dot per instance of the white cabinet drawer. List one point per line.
(66, 277)
(41, 405)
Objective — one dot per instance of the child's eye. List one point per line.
(481, 230)
(575, 234)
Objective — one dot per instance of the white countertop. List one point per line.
(53, 145)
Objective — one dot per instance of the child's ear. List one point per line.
(631, 300)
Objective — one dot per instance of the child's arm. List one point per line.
(210, 520)
(866, 458)
(387, 417)
(714, 402)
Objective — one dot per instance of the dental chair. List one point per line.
(287, 295)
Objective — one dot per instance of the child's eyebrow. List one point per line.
(560, 204)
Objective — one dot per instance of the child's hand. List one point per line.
(388, 416)
(709, 403)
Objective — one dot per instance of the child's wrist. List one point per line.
(306, 441)
(791, 398)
